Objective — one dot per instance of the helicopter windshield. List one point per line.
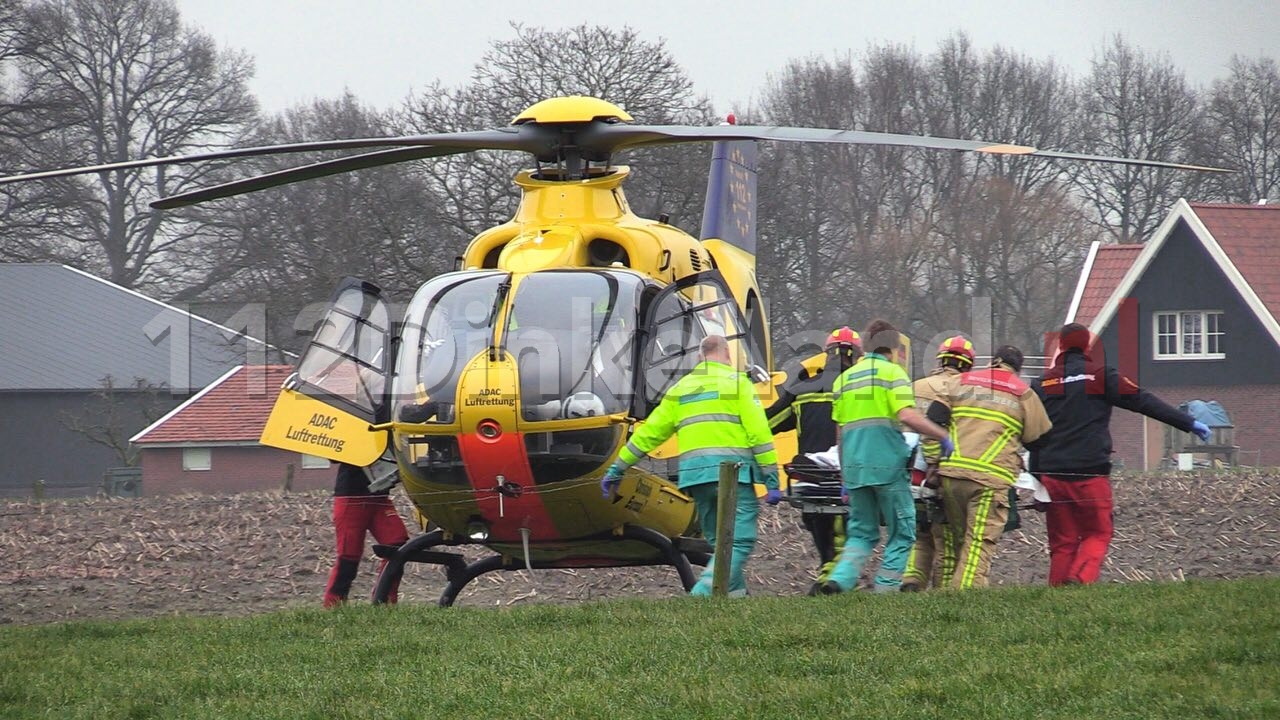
(573, 337)
(449, 321)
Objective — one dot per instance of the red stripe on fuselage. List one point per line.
(505, 455)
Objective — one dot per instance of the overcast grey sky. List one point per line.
(383, 49)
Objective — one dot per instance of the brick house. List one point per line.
(210, 442)
(1192, 315)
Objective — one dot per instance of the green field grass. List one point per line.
(1193, 650)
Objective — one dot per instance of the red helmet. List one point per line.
(957, 347)
(844, 337)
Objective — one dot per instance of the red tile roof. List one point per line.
(1109, 266)
(231, 410)
(1250, 236)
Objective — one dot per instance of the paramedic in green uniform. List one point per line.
(716, 417)
(873, 399)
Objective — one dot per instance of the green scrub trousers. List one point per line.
(744, 534)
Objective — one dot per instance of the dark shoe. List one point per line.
(910, 587)
(829, 588)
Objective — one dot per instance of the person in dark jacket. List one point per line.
(357, 511)
(804, 405)
(1073, 460)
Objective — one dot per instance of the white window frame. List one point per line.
(313, 462)
(1179, 336)
(197, 459)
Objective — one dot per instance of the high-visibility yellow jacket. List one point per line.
(869, 397)
(716, 417)
(993, 414)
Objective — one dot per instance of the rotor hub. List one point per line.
(571, 109)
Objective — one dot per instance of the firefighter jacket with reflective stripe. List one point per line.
(993, 414)
(715, 415)
(869, 397)
(804, 405)
(1078, 392)
(927, 389)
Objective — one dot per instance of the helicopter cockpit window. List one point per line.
(680, 318)
(448, 323)
(346, 359)
(573, 337)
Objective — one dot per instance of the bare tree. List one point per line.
(853, 233)
(840, 234)
(1242, 131)
(113, 414)
(111, 80)
(1001, 224)
(614, 65)
(1141, 107)
(379, 224)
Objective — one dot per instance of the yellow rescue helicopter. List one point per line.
(510, 385)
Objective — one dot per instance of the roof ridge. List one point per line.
(1235, 206)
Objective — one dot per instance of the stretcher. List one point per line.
(814, 488)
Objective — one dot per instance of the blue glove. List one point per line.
(609, 483)
(844, 496)
(946, 448)
(773, 497)
(1201, 430)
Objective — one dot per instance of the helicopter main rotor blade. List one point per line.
(1127, 161)
(607, 138)
(514, 138)
(306, 172)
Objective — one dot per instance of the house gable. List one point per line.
(1184, 276)
(1183, 212)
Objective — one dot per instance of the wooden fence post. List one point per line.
(726, 511)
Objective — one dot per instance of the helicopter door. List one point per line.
(677, 320)
(339, 387)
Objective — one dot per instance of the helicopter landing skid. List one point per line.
(681, 553)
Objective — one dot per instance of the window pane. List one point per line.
(197, 459)
(313, 462)
(1191, 323)
(1190, 344)
(1215, 335)
(449, 322)
(1166, 334)
(573, 335)
(338, 375)
(1191, 340)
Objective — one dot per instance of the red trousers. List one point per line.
(353, 516)
(1079, 524)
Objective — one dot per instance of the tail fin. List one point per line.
(730, 210)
